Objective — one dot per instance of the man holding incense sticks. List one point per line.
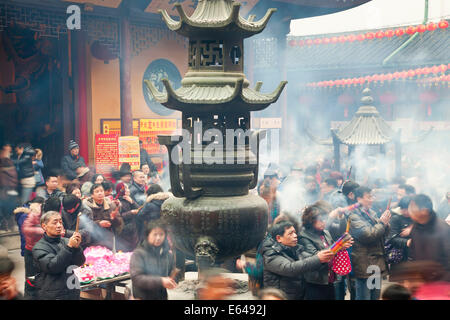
(368, 256)
(53, 256)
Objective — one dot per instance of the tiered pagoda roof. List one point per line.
(219, 16)
(196, 98)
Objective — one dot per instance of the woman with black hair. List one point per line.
(151, 264)
(314, 238)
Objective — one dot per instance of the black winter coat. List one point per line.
(52, 257)
(70, 223)
(397, 224)
(311, 244)
(137, 193)
(432, 242)
(147, 266)
(24, 164)
(284, 269)
(150, 211)
(128, 239)
(70, 165)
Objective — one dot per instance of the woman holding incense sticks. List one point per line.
(314, 238)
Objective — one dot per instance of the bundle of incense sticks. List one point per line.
(78, 222)
(389, 203)
(174, 273)
(339, 244)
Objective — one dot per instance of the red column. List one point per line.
(81, 109)
(126, 117)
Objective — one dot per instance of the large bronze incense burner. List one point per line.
(215, 162)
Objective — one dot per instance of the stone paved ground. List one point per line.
(184, 291)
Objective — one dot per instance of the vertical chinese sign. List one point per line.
(129, 152)
(106, 154)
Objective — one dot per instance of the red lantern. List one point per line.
(326, 40)
(431, 26)
(443, 24)
(418, 72)
(351, 38)
(342, 39)
(399, 32)
(411, 73)
(382, 77)
(396, 75)
(421, 28)
(389, 76)
(370, 35)
(443, 68)
(389, 33)
(411, 30)
(379, 34)
(309, 42)
(318, 41)
(301, 43)
(435, 69)
(292, 43)
(334, 39)
(361, 37)
(426, 70)
(368, 78)
(403, 74)
(361, 80)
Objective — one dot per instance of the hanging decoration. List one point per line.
(425, 76)
(380, 34)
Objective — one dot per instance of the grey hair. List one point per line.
(135, 173)
(46, 216)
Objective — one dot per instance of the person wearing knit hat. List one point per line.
(73, 164)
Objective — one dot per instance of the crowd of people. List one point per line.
(391, 228)
(394, 233)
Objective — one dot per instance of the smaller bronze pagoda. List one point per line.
(366, 128)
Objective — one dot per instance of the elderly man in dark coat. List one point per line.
(53, 256)
(73, 164)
